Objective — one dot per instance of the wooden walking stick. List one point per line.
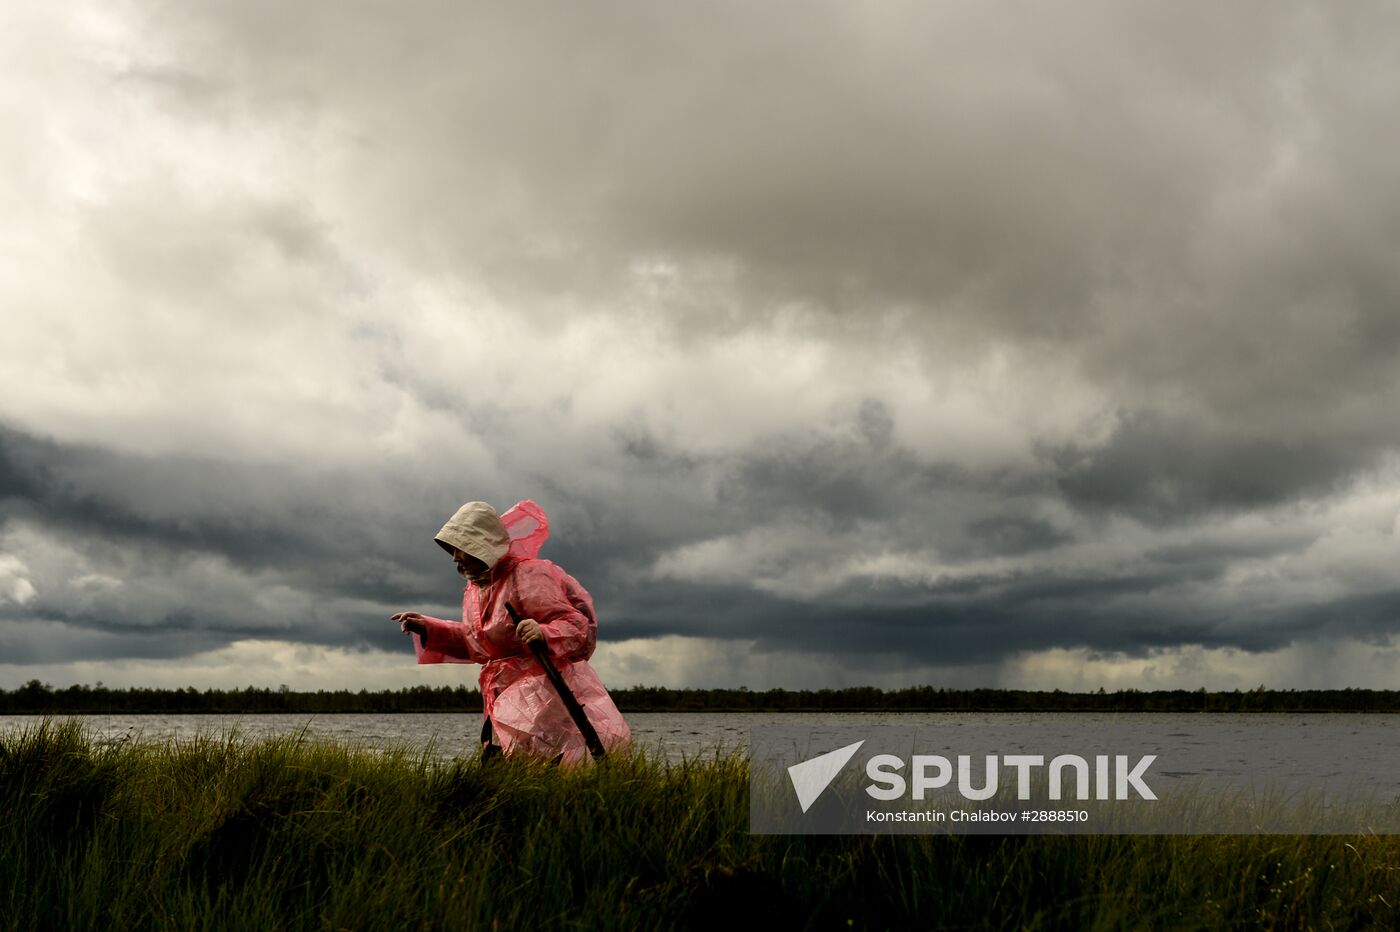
(541, 652)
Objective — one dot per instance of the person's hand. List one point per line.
(529, 631)
(410, 623)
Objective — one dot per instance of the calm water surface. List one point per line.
(1189, 743)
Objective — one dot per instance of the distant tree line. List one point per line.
(932, 699)
(36, 697)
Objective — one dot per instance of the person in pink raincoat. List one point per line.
(497, 555)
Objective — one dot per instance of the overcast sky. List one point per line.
(964, 343)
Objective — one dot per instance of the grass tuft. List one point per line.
(291, 833)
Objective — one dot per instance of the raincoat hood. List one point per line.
(477, 530)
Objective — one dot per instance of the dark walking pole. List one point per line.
(541, 652)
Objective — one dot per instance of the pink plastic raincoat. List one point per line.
(525, 711)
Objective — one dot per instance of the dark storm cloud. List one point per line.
(1014, 534)
(947, 627)
(944, 330)
(864, 475)
(975, 622)
(1165, 469)
(854, 471)
(283, 526)
(899, 148)
(90, 493)
(966, 620)
(1186, 203)
(60, 639)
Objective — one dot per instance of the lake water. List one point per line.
(1306, 746)
(676, 735)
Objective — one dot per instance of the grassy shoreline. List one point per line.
(224, 833)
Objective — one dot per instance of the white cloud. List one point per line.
(1311, 665)
(15, 586)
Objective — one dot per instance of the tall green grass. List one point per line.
(223, 833)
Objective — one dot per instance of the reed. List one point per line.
(291, 833)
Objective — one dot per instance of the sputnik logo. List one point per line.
(811, 777)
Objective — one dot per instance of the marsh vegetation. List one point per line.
(291, 833)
